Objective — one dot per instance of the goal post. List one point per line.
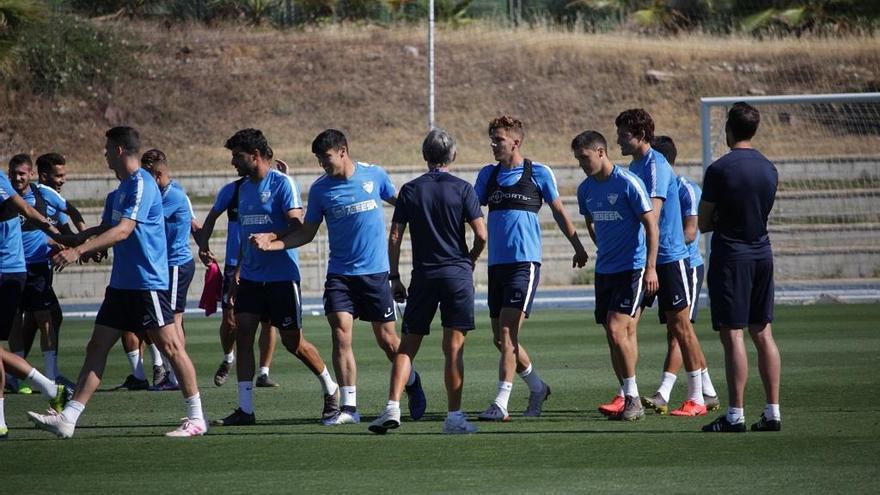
(825, 223)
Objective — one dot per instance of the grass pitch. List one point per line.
(829, 441)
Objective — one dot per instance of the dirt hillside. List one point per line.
(196, 86)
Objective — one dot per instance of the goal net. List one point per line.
(825, 223)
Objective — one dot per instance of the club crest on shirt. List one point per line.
(264, 196)
(612, 198)
(368, 186)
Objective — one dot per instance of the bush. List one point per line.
(66, 54)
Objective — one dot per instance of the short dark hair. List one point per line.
(153, 158)
(666, 146)
(589, 139)
(249, 140)
(126, 138)
(330, 139)
(46, 161)
(638, 121)
(20, 159)
(743, 120)
(508, 123)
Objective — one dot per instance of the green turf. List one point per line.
(829, 442)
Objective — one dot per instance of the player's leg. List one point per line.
(17, 366)
(457, 318)
(528, 276)
(729, 296)
(769, 363)
(401, 368)
(344, 366)
(674, 298)
(4, 431)
(621, 296)
(619, 330)
(267, 343)
(132, 346)
(173, 347)
(227, 328)
(20, 345)
(374, 302)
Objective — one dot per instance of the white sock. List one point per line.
(349, 396)
(392, 404)
(229, 358)
(328, 386)
(695, 386)
(412, 376)
(667, 381)
(459, 414)
(136, 363)
(50, 358)
(264, 370)
(708, 388)
(532, 379)
(771, 411)
(620, 391)
(194, 408)
(503, 396)
(735, 415)
(246, 396)
(156, 356)
(629, 387)
(2, 414)
(72, 411)
(44, 385)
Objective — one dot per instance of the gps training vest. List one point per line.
(232, 211)
(524, 195)
(39, 205)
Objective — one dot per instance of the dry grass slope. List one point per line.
(199, 85)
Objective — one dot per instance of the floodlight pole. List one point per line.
(430, 64)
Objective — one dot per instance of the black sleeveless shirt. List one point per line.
(524, 195)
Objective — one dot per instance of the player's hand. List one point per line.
(64, 258)
(99, 256)
(70, 239)
(580, 259)
(263, 241)
(399, 290)
(651, 282)
(207, 257)
(282, 166)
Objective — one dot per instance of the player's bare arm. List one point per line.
(707, 216)
(268, 241)
(395, 238)
(652, 239)
(690, 228)
(107, 239)
(566, 226)
(203, 237)
(481, 237)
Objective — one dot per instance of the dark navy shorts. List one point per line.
(455, 296)
(674, 293)
(228, 279)
(11, 288)
(38, 294)
(620, 292)
(367, 297)
(131, 310)
(513, 285)
(740, 292)
(695, 285)
(180, 277)
(280, 301)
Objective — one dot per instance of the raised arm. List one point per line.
(270, 242)
(106, 239)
